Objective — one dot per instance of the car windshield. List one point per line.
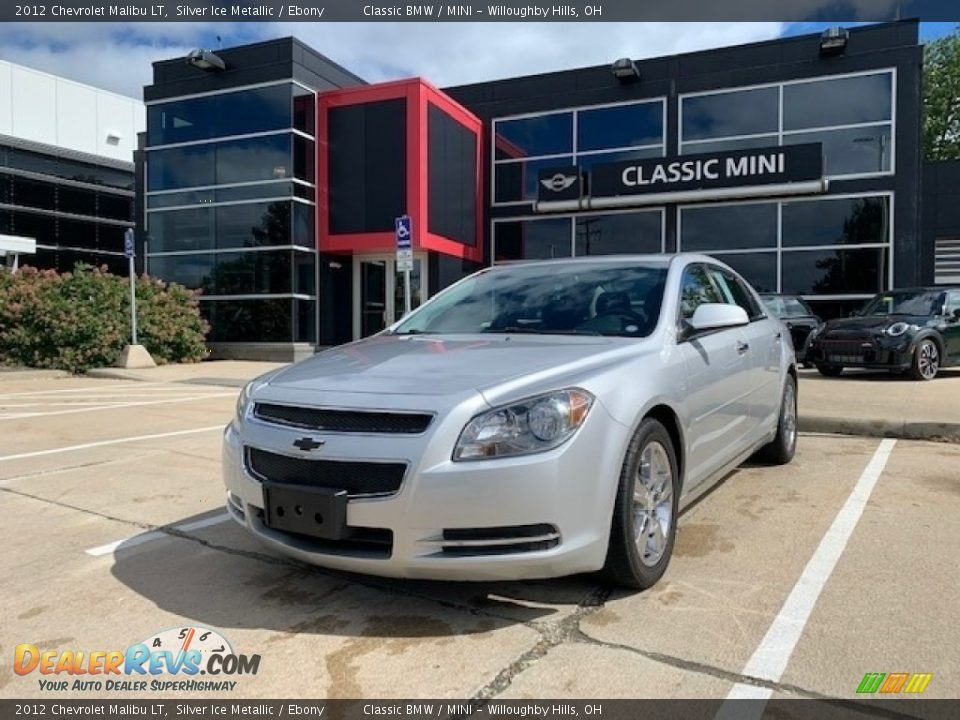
(918, 302)
(562, 299)
(786, 306)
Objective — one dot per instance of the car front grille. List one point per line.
(356, 477)
(334, 420)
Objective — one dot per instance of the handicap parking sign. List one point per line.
(404, 228)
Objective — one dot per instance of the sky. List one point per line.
(118, 56)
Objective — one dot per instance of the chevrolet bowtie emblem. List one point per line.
(307, 444)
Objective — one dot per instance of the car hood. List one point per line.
(875, 323)
(438, 364)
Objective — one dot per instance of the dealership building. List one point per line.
(272, 177)
(66, 170)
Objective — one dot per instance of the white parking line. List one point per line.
(769, 660)
(102, 443)
(135, 540)
(113, 406)
(86, 388)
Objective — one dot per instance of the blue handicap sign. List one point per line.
(404, 228)
(129, 248)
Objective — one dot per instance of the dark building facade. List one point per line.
(941, 221)
(274, 184)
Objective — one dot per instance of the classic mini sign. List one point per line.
(798, 166)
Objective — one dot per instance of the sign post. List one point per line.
(404, 227)
(130, 251)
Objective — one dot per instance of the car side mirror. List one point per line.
(717, 316)
(956, 314)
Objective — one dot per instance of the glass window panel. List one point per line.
(841, 101)
(305, 324)
(110, 238)
(532, 239)
(303, 225)
(759, 269)
(728, 227)
(740, 112)
(42, 228)
(34, 193)
(761, 141)
(235, 113)
(533, 136)
(844, 221)
(115, 207)
(305, 273)
(176, 230)
(618, 233)
(304, 159)
(587, 162)
(518, 181)
(620, 126)
(304, 110)
(233, 273)
(77, 201)
(194, 197)
(850, 151)
(253, 225)
(6, 188)
(268, 320)
(253, 192)
(235, 161)
(834, 272)
(116, 264)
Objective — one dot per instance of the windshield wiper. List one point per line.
(411, 331)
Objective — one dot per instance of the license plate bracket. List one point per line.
(312, 511)
(850, 359)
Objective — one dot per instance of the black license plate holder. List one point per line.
(311, 511)
(846, 358)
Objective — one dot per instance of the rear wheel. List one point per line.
(926, 361)
(644, 514)
(781, 449)
(830, 370)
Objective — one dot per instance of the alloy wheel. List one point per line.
(790, 414)
(928, 359)
(652, 503)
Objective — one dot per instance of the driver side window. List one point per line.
(953, 302)
(696, 288)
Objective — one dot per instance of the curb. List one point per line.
(114, 374)
(903, 429)
(31, 374)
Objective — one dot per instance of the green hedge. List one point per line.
(80, 320)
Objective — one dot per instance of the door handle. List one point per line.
(742, 347)
(778, 336)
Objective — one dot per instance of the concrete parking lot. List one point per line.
(789, 582)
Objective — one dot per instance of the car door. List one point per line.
(764, 338)
(951, 327)
(716, 369)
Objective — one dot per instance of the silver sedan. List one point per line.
(532, 420)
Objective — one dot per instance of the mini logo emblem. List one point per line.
(307, 444)
(558, 182)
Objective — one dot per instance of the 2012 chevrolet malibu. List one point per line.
(532, 420)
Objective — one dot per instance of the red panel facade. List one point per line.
(418, 95)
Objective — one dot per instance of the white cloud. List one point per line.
(118, 57)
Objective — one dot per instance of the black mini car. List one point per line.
(914, 331)
(799, 319)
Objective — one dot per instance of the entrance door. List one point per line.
(378, 291)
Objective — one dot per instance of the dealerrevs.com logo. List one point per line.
(169, 661)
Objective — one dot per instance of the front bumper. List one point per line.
(566, 495)
(873, 356)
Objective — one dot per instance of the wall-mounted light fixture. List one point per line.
(625, 70)
(205, 60)
(833, 41)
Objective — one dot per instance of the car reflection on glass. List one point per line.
(797, 317)
(532, 420)
(911, 331)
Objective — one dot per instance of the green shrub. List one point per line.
(79, 320)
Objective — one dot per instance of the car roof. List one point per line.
(650, 259)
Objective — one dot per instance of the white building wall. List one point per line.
(48, 109)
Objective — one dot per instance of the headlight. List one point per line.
(533, 425)
(898, 329)
(243, 401)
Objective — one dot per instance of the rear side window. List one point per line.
(696, 288)
(734, 292)
(953, 302)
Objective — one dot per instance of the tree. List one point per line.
(941, 98)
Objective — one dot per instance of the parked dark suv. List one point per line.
(914, 331)
(799, 319)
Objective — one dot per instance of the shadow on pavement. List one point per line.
(877, 375)
(218, 576)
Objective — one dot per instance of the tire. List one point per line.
(926, 360)
(650, 456)
(830, 370)
(781, 449)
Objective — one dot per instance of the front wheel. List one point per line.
(645, 512)
(781, 449)
(926, 361)
(830, 370)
